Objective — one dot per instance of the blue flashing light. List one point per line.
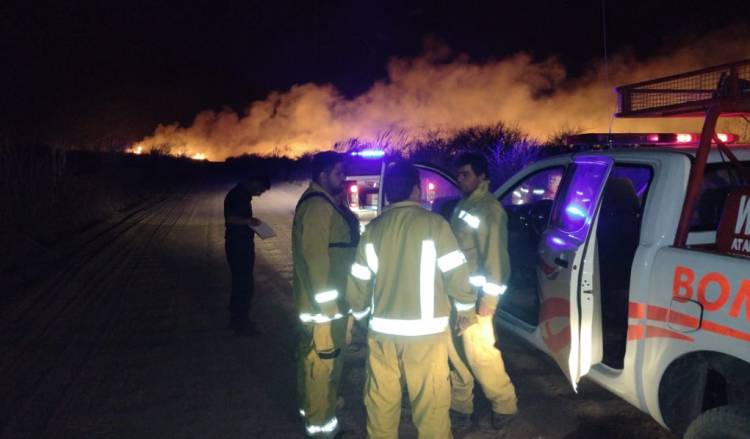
(558, 241)
(575, 211)
(369, 153)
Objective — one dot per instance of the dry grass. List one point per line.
(507, 148)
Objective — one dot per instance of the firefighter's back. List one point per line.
(406, 240)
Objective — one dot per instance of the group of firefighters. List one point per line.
(425, 289)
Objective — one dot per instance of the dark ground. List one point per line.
(126, 338)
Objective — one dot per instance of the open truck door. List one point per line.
(570, 311)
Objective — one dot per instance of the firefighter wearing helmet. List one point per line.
(480, 225)
(407, 269)
(324, 237)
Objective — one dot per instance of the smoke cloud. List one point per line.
(440, 92)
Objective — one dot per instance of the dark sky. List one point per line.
(109, 72)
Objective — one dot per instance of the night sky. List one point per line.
(109, 72)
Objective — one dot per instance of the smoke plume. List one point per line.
(441, 93)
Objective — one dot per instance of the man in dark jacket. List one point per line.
(240, 249)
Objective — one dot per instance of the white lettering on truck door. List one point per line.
(743, 216)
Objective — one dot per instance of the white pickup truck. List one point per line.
(599, 285)
(632, 266)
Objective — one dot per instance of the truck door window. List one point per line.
(539, 186)
(528, 205)
(718, 180)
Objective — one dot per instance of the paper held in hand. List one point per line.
(263, 230)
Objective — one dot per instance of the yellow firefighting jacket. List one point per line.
(324, 238)
(406, 267)
(481, 227)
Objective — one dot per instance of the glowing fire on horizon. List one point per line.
(435, 95)
(139, 149)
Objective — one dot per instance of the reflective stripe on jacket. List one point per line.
(407, 267)
(322, 253)
(481, 227)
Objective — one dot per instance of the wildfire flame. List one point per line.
(431, 94)
(137, 150)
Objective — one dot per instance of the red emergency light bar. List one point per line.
(668, 139)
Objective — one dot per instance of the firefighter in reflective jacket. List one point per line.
(324, 237)
(407, 269)
(480, 225)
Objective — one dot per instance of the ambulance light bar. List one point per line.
(658, 139)
(369, 153)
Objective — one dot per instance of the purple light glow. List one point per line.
(575, 211)
(560, 242)
(369, 153)
(572, 217)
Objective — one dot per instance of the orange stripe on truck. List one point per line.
(657, 332)
(659, 314)
(636, 310)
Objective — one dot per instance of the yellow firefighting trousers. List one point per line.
(319, 364)
(423, 367)
(476, 347)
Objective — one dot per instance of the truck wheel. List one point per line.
(726, 422)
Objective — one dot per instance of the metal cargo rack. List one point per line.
(708, 93)
(690, 93)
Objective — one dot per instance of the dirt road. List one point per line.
(127, 338)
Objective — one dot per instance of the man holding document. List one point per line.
(240, 249)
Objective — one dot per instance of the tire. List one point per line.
(726, 422)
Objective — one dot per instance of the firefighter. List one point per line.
(407, 268)
(324, 237)
(480, 225)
